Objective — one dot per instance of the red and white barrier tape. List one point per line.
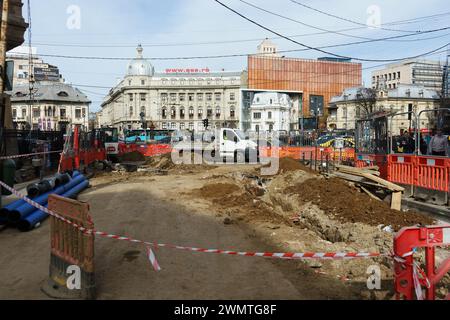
(28, 155)
(152, 258)
(416, 271)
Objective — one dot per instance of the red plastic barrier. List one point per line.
(433, 173)
(366, 160)
(401, 169)
(407, 274)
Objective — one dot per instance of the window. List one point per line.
(182, 126)
(256, 115)
(191, 97)
(36, 113)
(129, 82)
(24, 113)
(14, 113)
(63, 94)
(218, 96)
(164, 125)
(200, 112)
(130, 96)
(232, 96)
(182, 97)
(173, 112)
(398, 75)
(269, 114)
(182, 112)
(78, 113)
(173, 97)
(316, 105)
(142, 82)
(173, 125)
(208, 96)
(143, 111)
(209, 112)
(232, 112)
(191, 112)
(218, 111)
(200, 96)
(143, 96)
(62, 113)
(164, 113)
(163, 97)
(191, 126)
(131, 110)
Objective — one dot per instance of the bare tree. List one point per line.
(365, 102)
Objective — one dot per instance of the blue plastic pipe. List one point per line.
(14, 205)
(25, 209)
(10, 207)
(37, 216)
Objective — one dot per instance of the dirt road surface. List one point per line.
(152, 208)
(229, 207)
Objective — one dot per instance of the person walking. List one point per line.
(438, 145)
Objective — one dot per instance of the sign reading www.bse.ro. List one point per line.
(188, 70)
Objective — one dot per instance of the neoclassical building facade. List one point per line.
(174, 99)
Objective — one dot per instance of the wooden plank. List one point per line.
(356, 179)
(370, 194)
(354, 170)
(396, 202)
(387, 184)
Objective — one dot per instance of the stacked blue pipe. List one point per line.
(25, 209)
(30, 221)
(18, 211)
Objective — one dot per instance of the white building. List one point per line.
(268, 49)
(345, 109)
(40, 70)
(175, 99)
(425, 73)
(53, 107)
(270, 111)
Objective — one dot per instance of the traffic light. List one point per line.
(205, 123)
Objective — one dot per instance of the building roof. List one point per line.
(412, 92)
(61, 92)
(140, 66)
(403, 91)
(263, 99)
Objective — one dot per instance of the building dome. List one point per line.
(140, 66)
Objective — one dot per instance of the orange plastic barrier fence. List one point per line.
(433, 173)
(401, 169)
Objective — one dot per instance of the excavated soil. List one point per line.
(289, 165)
(132, 156)
(346, 203)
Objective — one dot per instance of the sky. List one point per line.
(180, 28)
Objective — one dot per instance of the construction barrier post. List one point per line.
(72, 251)
(409, 282)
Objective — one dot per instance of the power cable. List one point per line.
(320, 50)
(344, 19)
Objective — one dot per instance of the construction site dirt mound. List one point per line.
(245, 203)
(217, 190)
(132, 156)
(290, 164)
(342, 201)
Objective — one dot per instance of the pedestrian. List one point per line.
(438, 145)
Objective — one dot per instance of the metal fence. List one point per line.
(17, 142)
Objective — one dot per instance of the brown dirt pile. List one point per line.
(132, 156)
(244, 203)
(289, 165)
(344, 202)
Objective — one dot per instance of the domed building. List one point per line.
(176, 99)
(140, 66)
